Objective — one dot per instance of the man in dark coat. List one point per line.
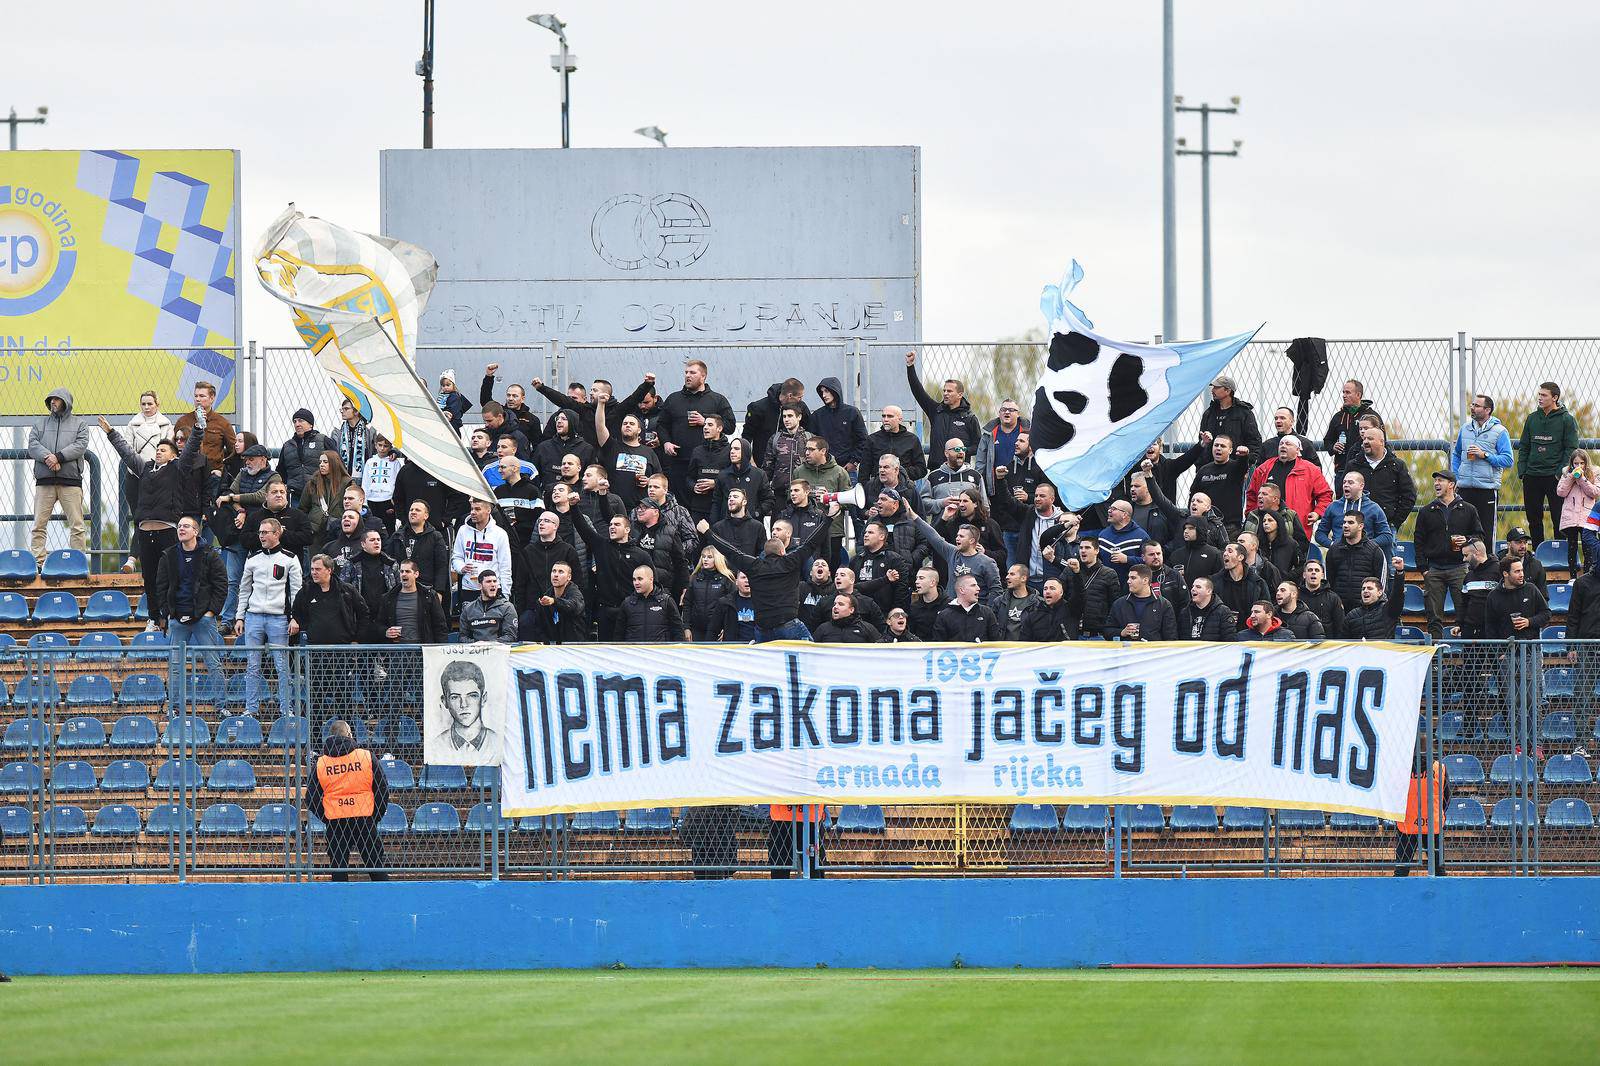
(841, 423)
(950, 416)
(1228, 416)
(893, 438)
(682, 423)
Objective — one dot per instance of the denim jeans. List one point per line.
(233, 559)
(261, 630)
(202, 633)
(792, 630)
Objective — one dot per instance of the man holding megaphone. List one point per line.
(826, 476)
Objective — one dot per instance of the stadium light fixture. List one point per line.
(563, 63)
(13, 121)
(655, 133)
(1205, 152)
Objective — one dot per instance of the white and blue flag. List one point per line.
(1101, 402)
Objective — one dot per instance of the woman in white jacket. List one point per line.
(143, 433)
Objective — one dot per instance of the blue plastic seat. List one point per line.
(1560, 596)
(20, 778)
(1554, 639)
(234, 691)
(13, 607)
(24, 734)
(171, 819)
(202, 689)
(232, 775)
(1560, 726)
(1194, 816)
(1034, 817)
(73, 775)
(1569, 813)
(55, 606)
(64, 820)
(1509, 768)
(108, 605)
(90, 690)
(8, 647)
(1244, 818)
(485, 777)
(398, 773)
(151, 645)
(861, 819)
(1463, 769)
(81, 731)
(314, 824)
(187, 730)
(596, 822)
(1143, 816)
(15, 821)
(1559, 683)
(17, 565)
(134, 731)
(536, 823)
(1454, 728)
(239, 731)
(406, 730)
(274, 819)
(1407, 550)
(125, 775)
(649, 820)
(141, 612)
(290, 730)
(142, 690)
(1499, 728)
(1513, 811)
(1464, 813)
(1414, 603)
(116, 820)
(1298, 819)
(224, 819)
(393, 822)
(174, 774)
(36, 691)
(483, 816)
(98, 646)
(435, 818)
(443, 777)
(1411, 634)
(49, 641)
(1567, 770)
(65, 564)
(1085, 816)
(1552, 554)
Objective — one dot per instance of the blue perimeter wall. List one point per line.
(1034, 922)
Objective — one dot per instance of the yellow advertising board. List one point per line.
(117, 274)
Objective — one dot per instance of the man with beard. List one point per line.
(1009, 605)
(893, 438)
(615, 558)
(1298, 620)
(846, 626)
(628, 459)
(1051, 618)
(682, 423)
(880, 570)
(1319, 598)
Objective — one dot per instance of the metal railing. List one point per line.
(141, 764)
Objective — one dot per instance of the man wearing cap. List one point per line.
(298, 458)
(666, 551)
(355, 439)
(1228, 416)
(1443, 528)
(1519, 547)
(244, 494)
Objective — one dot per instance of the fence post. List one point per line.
(1432, 843)
(1116, 838)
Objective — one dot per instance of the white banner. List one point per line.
(1329, 726)
(464, 703)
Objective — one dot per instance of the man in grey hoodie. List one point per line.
(56, 444)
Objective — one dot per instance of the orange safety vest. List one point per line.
(346, 785)
(1415, 821)
(783, 812)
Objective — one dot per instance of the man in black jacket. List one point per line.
(298, 458)
(682, 422)
(1167, 581)
(1343, 439)
(1443, 528)
(1051, 618)
(1192, 555)
(546, 549)
(1482, 578)
(845, 625)
(950, 416)
(841, 425)
(1223, 480)
(965, 619)
(615, 558)
(744, 476)
(1142, 614)
(1095, 588)
(649, 615)
(342, 769)
(1375, 617)
(557, 614)
(926, 603)
(893, 438)
(761, 417)
(662, 545)
(881, 571)
(775, 579)
(331, 614)
(1228, 416)
(1517, 609)
(411, 613)
(1210, 618)
(709, 459)
(419, 541)
(1388, 480)
(1299, 620)
(275, 504)
(1318, 597)
(1353, 558)
(1237, 585)
(191, 587)
(515, 405)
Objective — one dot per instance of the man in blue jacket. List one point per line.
(1481, 454)
(1356, 500)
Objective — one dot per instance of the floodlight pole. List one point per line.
(1205, 153)
(1169, 209)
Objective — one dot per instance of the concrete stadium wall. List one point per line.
(883, 923)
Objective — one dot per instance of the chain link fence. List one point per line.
(136, 764)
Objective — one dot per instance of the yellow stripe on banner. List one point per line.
(902, 800)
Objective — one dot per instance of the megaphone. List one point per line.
(855, 496)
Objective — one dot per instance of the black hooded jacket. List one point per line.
(841, 424)
(774, 579)
(336, 748)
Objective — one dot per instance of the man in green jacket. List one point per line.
(824, 475)
(1549, 437)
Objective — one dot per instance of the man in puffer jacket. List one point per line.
(489, 616)
(56, 444)
(1482, 451)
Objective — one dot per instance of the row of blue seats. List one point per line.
(1455, 726)
(227, 775)
(1551, 553)
(107, 605)
(279, 819)
(64, 564)
(1510, 769)
(191, 730)
(1559, 598)
(1462, 813)
(148, 689)
(96, 646)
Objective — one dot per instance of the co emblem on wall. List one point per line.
(669, 231)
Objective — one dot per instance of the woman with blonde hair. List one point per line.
(709, 583)
(1578, 491)
(324, 492)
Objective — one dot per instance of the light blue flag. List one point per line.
(1101, 402)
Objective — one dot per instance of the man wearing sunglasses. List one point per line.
(955, 474)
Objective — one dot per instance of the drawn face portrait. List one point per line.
(462, 699)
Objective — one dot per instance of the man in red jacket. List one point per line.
(1305, 491)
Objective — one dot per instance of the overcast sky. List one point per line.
(1408, 169)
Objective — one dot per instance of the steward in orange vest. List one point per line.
(350, 793)
(1417, 822)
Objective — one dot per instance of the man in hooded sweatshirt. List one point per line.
(56, 444)
(842, 425)
(1549, 437)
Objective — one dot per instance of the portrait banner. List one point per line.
(1328, 726)
(463, 703)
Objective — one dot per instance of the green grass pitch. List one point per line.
(803, 1016)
